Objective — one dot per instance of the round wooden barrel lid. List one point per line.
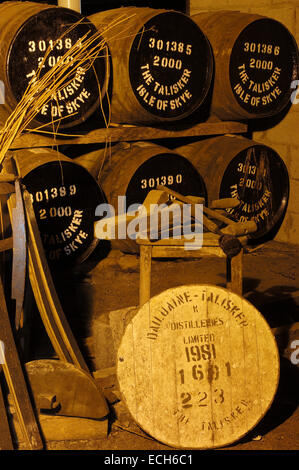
(253, 174)
(50, 29)
(170, 66)
(65, 197)
(198, 367)
(258, 178)
(263, 64)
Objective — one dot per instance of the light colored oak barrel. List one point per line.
(132, 170)
(198, 367)
(28, 29)
(236, 167)
(64, 197)
(256, 61)
(162, 63)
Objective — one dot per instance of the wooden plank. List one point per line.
(6, 244)
(6, 188)
(145, 273)
(7, 177)
(6, 442)
(198, 367)
(181, 252)
(50, 381)
(45, 310)
(19, 263)
(46, 297)
(16, 382)
(237, 273)
(209, 239)
(129, 133)
(60, 429)
(233, 228)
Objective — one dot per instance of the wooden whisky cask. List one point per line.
(64, 197)
(28, 29)
(162, 64)
(132, 170)
(256, 62)
(236, 167)
(198, 367)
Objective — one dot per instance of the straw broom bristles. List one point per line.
(44, 88)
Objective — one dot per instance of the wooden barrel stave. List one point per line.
(230, 33)
(223, 161)
(134, 98)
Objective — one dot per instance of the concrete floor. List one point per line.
(109, 283)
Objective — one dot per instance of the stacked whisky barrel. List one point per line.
(173, 343)
(35, 34)
(31, 31)
(252, 173)
(256, 62)
(256, 68)
(63, 193)
(255, 65)
(162, 64)
(163, 67)
(64, 197)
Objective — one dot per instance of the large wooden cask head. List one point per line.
(256, 64)
(162, 63)
(64, 197)
(29, 31)
(198, 367)
(253, 173)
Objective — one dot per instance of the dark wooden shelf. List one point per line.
(125, 133)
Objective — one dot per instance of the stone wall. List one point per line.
(284, 136)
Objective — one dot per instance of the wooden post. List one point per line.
(5, 436)
(236, 273)
(145, 273)
(188, 7)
